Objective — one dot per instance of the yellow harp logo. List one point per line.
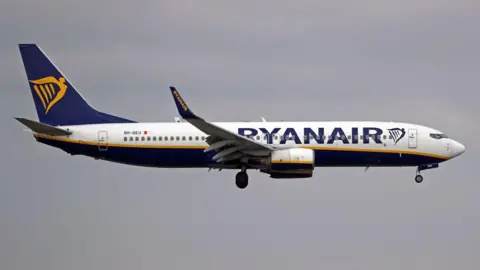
(49, 90)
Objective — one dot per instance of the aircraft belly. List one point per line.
(151, 157)
(334, 158)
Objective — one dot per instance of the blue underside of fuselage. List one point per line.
(190, 157)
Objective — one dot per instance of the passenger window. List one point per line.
(131, 138)
(154, 138)
(190, 138)
(203, 138)
(136, 139)
(178, 138)
(384, 137)
(172, 138)
(143, 138)
(196, 138)
(166, 138)
(125, 138)
(148, 138)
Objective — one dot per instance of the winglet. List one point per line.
(182, 107)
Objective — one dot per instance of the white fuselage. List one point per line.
(334, 143)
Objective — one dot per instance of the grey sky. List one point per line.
(411, 61)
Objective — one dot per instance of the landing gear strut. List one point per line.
(419, 177)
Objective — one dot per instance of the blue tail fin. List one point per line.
(56, 100)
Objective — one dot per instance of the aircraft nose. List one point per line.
(458, 149)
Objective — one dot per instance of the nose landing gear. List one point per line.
(419, 177)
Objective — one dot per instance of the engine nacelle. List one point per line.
(292, 163)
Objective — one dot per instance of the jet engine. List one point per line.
(291, 163)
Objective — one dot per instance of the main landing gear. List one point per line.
(419, 177)
(241, 179)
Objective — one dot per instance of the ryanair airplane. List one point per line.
(279, 149)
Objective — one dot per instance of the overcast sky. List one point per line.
(412, 61)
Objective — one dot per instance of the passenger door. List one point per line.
(103, 140)
(412, 138)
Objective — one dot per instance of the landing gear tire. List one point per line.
(241, 180)
(418, 178)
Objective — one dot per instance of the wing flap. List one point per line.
(219, 144)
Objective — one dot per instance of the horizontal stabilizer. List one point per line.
(43, 128)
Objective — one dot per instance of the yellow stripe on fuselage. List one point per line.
(291, 162)
(293, 172)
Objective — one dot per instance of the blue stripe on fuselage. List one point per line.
(195, 157)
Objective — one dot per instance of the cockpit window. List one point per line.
(438, 136)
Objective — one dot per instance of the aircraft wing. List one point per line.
(232, 145)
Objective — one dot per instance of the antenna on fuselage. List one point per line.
(263, 119)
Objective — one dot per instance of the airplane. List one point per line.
(282, 150)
